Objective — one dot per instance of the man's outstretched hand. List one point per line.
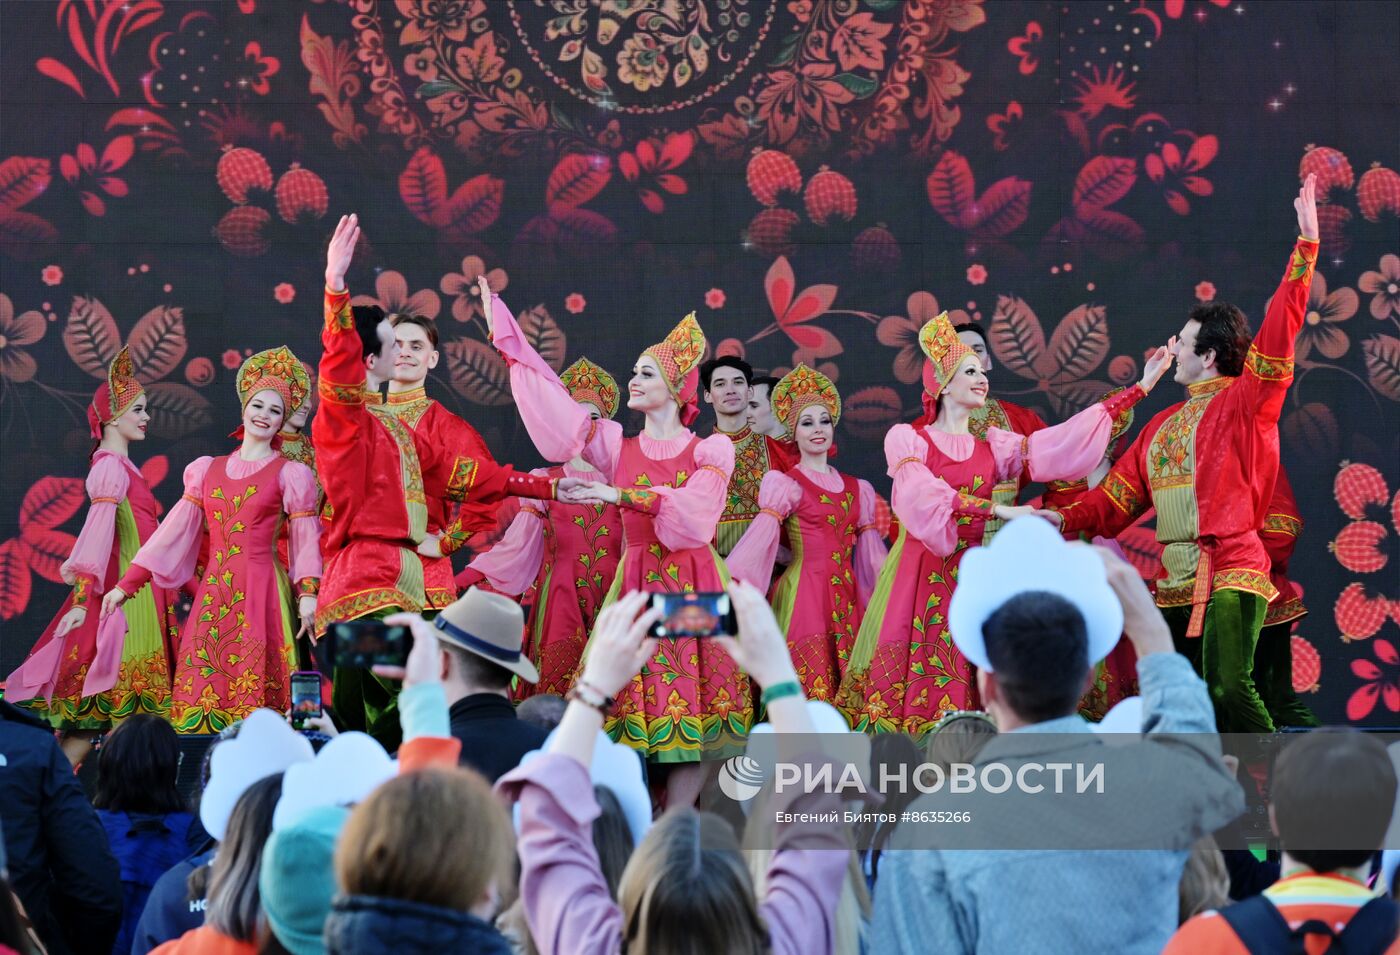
(341, 251)
(1306, 206)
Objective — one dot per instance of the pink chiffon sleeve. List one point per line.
(870, 551)
(1063, 452)
(686, 516)
(926, 505)
(513, 562)
(172, 551)
(752, 558)
(559, 426)
(86, 567)
(299, 496)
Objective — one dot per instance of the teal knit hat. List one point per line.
(297, 881)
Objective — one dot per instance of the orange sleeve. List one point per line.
(426, 752)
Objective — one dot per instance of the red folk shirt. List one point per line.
(440, 428)
(1279, 535)
(378, 476)
(996, 413)
(1208, 464)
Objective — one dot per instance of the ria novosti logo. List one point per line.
(740, 778)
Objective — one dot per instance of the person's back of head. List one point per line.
(436, 837)
(544, 710)
(138, 768)
(473, 673)
(234, 901)
(297, 882)
(1331, 788)
(1038, 646)
(687, 891)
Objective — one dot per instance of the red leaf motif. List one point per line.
(1201, 153)
(1001, 209)
(870, 412)
(176, 410)
(1385, 651)
(423, 186)
(1079, 344)
(675, 151)
(55, 70)
(779, 284)
(15, 585)
(478, 372)
(158, 342)
(812, 302)
(154, 470)
(1365, 669)
(23, 235)
(117, 154)
(91, 336)
(51, 502)
(22, 180)
(1017, 338)
(1102, 182)
(1362, 702)
(583, 229)
(951, 188)
(577, 179)
(474, 206)
(815, 341)
(46, 550)
(1110, 234)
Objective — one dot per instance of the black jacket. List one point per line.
(493, 737)
(360, 925)
(60, 865)
(170, 912)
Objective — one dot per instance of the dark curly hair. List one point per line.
(1224, 330)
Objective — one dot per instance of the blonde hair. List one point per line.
(1205, 882)
(438, 837)
(686, 891)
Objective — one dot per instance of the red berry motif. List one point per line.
(829, 196)
(1377, 192)
(1357, 547)
(771, 172)
(1332, 169)
(770, 232)
(1359, 616)
(301, 195)
(241, 170)
(876, 248)
(1359, 485)
(1331, 226)
(241, 230)
(1307, 666)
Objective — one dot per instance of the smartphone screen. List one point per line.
(693, 615)
(361, 644)
(306, 695)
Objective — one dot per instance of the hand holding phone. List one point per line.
(362, 644)
(704, 614)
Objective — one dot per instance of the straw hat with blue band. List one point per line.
(491, 626)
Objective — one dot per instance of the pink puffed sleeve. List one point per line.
(926, 505)
(299, 497)
(686, 516)
(86, 567)
(1063, 452)
(169, 555)
(513, 562)
(752, 558)
(870, 551)
(559, 426)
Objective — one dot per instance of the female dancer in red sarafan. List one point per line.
(830, 522)
(905, 671)
(691, 702)
(567, 552)
(237, 648)
(84, 676)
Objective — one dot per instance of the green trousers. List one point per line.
(1273, 677)
(1224, 657)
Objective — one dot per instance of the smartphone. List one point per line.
(306, 696)
(694, 615)
(361, 644)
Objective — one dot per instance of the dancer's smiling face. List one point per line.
(133, 422)
(647, 390)
(815, 430)
(968, 386)
(262, 417)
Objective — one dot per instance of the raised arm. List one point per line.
(871, 549)
(1268, 366)
(752, 558)
(338, 428)
(559, 426)
(926, 505)
(1070, 450)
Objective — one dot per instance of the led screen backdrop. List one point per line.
(815, 177)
